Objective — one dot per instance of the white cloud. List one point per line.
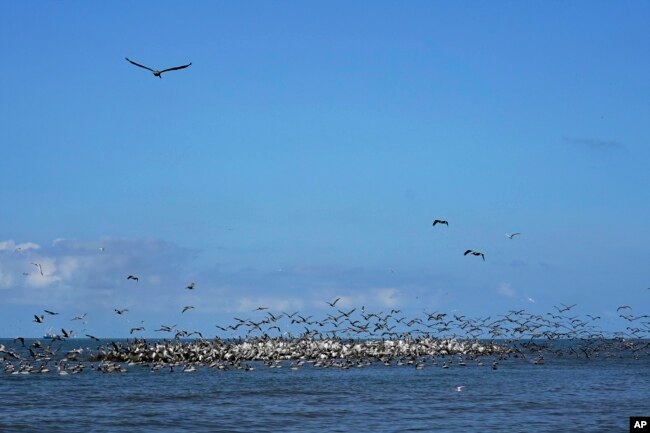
(505, 289)
(374, 297)
(11, 246)
(75, 271)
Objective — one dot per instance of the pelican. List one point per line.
(156, 72)
(474, 253)
(139, 328)
(331, 304)
(38, 265)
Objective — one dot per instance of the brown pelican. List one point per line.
(474, 253)
(139, 328)
(331, 304)
(38, 265)
(156, 72)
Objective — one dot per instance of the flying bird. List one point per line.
(331, 304)
(38, 319)
(133, 277)
(38, 265)
(156, 72)
(51, 313)
(139, 328)
(188, 307)
(440, 222)
(190, 286)
(512, 235)
(120, 312)
(460, 388)
(80, 317)
(474, 253)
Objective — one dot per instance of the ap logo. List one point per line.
(639, 424)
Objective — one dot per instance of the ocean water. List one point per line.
(563, 394)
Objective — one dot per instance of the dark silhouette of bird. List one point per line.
(38, 319)
(474, 253)
(38, 265)
(120, 312)
(156, 72)
(139, 328)
(440, 222)
(512, 235)
(331, 304)
(51, 313)
(188, 307)
(190, 286)
(133, 277)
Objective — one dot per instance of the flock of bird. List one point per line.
(342, 339)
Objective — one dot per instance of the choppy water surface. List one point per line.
(563, 394)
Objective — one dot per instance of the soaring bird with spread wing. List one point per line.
(156, 72)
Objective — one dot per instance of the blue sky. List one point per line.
(306, 151)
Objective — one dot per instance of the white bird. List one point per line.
(460, 388)
(512, 235)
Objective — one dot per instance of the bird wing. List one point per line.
(467, 252)
(138, 64)
(175, 68)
